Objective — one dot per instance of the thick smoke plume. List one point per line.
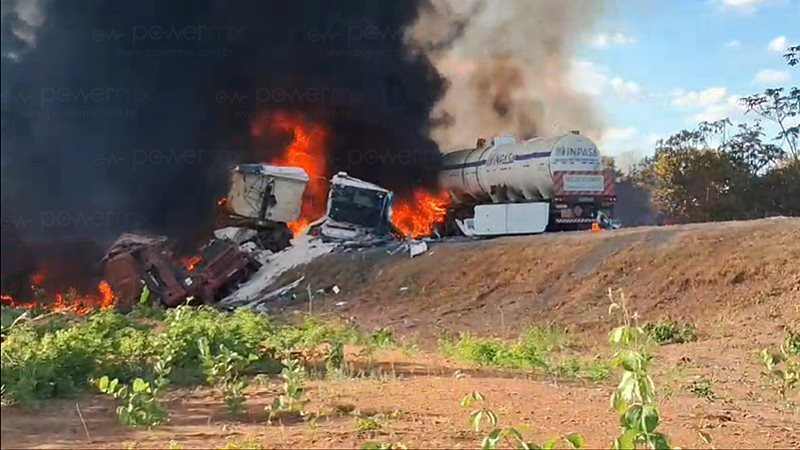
(507, 64)
(127, 115)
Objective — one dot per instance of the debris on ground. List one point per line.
(134, 262)
(417, 248)
(304, 249)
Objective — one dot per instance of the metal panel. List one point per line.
(525, 218)
(511, 218)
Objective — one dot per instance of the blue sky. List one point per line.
(655, 67)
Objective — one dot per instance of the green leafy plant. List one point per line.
(245, 444)
(223, 370)
(634, 400)
(533, 349)
(783, 366)
(481, 415)
(702, 388)
(665, 332)
(292, 400)
(382, 338)
(368, 425)
(335, 357)
(384, 446)
(140, 405)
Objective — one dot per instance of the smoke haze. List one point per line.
(507, 66)
(126, 116)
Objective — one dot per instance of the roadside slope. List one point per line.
(702, 273)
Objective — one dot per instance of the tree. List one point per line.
(719, 171)
(780, 105)
(693, 181)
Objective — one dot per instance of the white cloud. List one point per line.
(699, 99)
(604, 40)
(778, 44)
(710, 104)
(747, 6)
(729, 107)
(733, 43)
(771, 76)
(625, 89)
(596, 80)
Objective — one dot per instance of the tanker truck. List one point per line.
(507, 186)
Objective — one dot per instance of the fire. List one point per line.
(38, 278)
(417, 216)
(70, 301)
(299, 227)
(192, 263)
(307, 150)
(222, 201)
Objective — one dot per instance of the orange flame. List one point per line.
(78, 304)
(417, 216)
(38, 278)
(222, 201)
(192, 263)
(309, 151)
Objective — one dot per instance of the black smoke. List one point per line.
(125, 116)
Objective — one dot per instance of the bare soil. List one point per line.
(737, 282)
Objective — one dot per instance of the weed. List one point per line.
(382, 338)
(335, 358)
(223, 370)
(384, 446)
(635, 398)
(368, 425)
(792, 342)
(293, 398)
(783, 366)
(576, 369)
(245, 444)
(140, 405)
(531, 351)
(702, 388)
(482, 415)
(665, 332)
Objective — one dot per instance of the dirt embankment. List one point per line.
(720, 274)
(738, 283)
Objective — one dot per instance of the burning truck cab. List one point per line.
(265, 198)
(357, 211)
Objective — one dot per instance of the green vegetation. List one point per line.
(245, 444)
(368, 425)
(783, 366)
(537, 348)
(670, 332)
(132, 357)
(725, 171)
(635, 398)
(223, 370)
(702, 388)
(292, 399)
(483, 418)
(140, 405)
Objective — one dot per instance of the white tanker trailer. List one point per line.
(507, 186)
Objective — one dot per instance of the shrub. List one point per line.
(670, 332)
(140, 405)
(531, 351)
